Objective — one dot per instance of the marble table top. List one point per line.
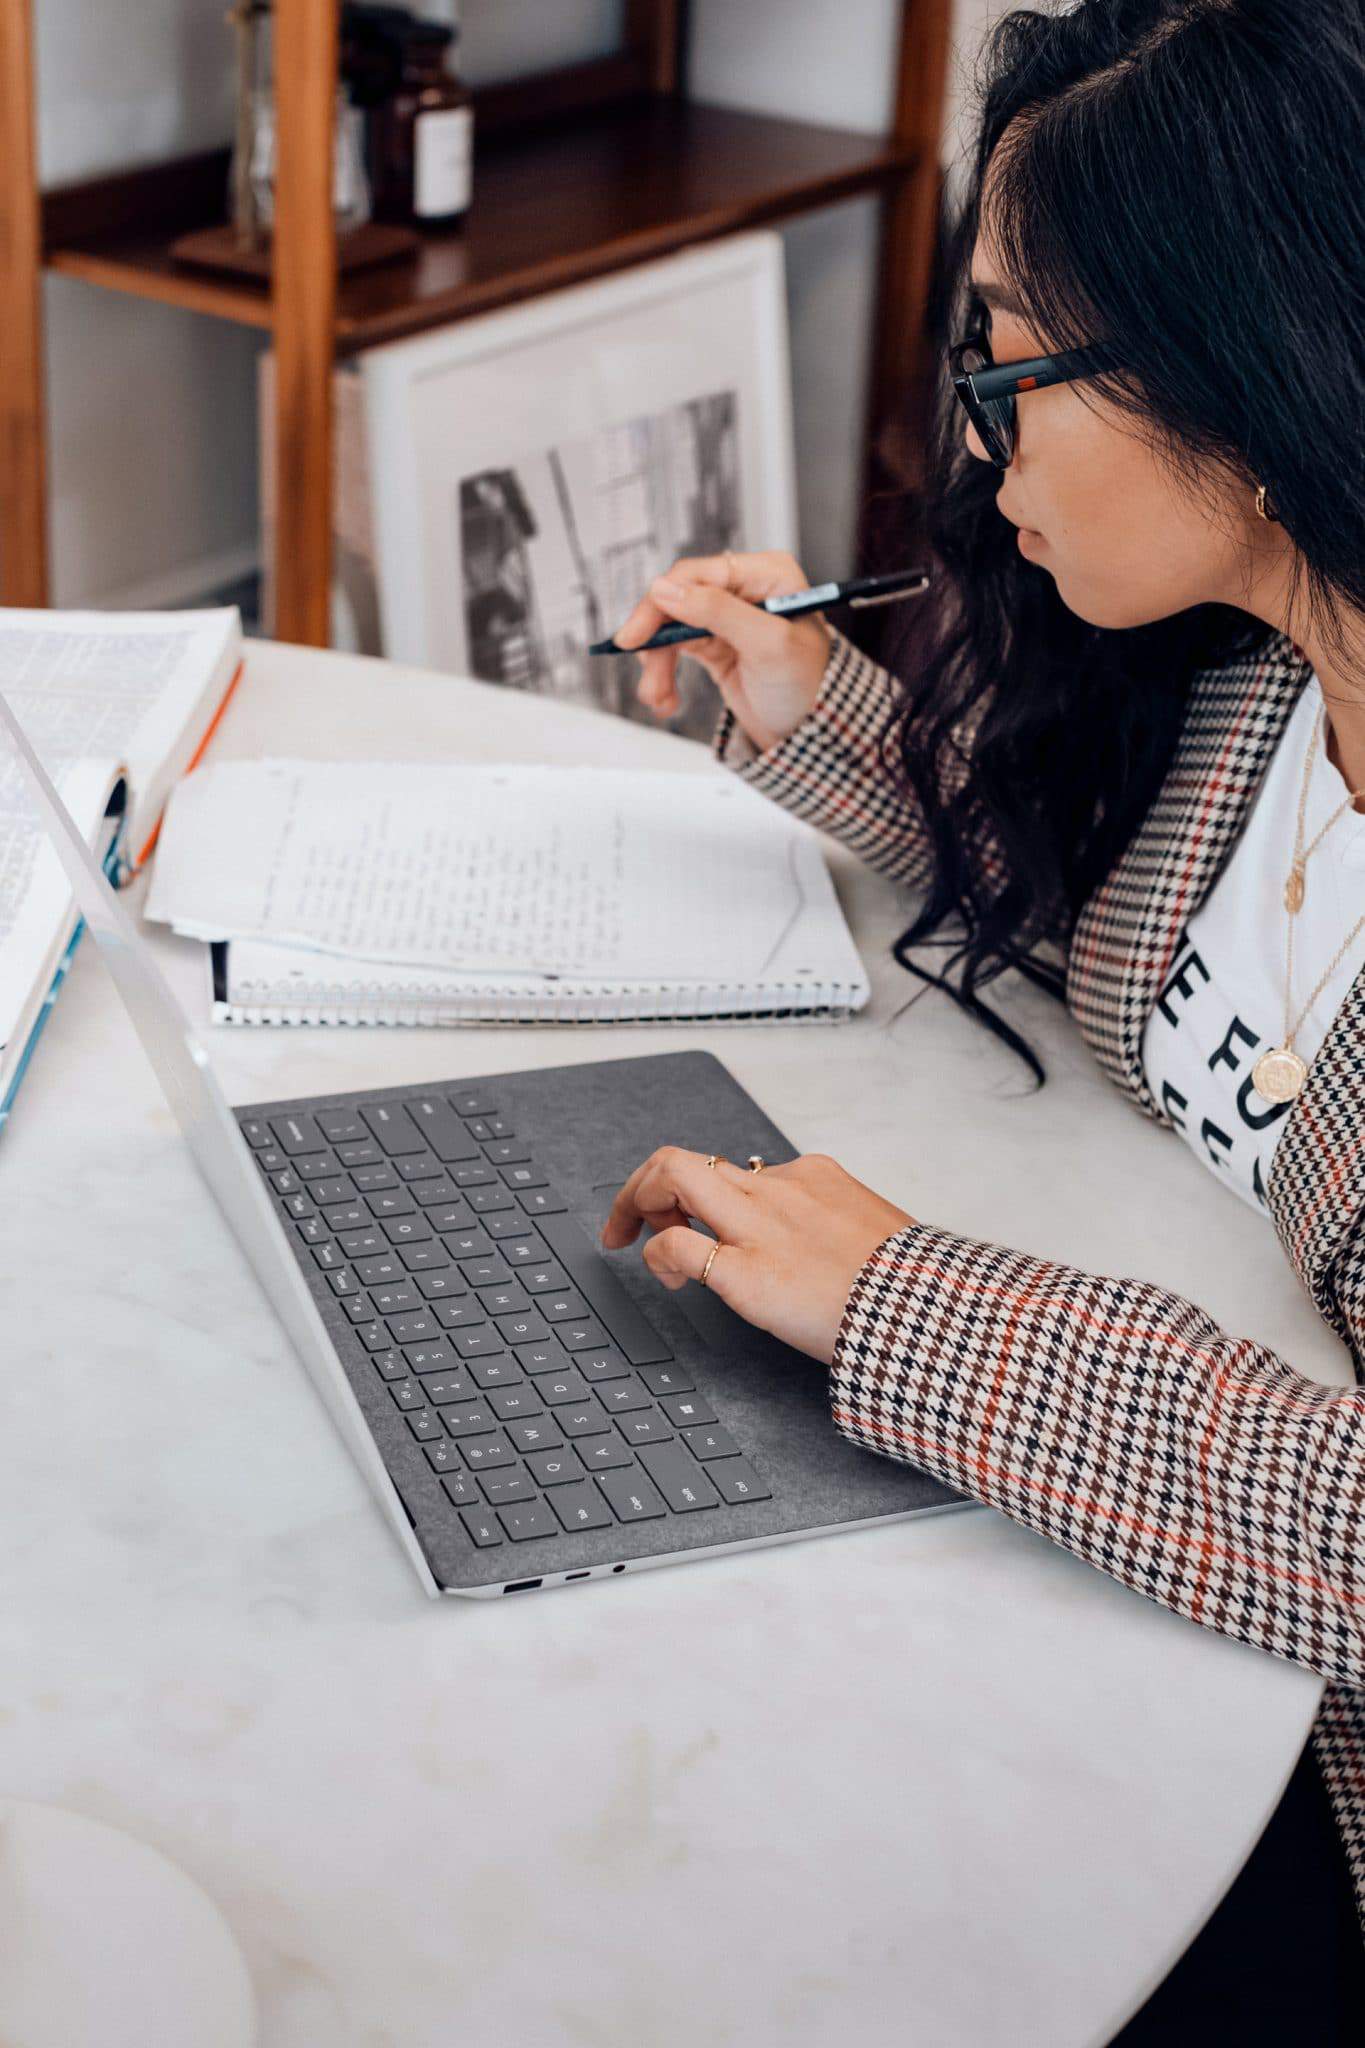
(938, 1783)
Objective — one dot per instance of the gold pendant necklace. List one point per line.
(1280, 1072)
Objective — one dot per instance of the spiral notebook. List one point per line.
(398, 893)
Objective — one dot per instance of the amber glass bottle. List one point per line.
(422, 133)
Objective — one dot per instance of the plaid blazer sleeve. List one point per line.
(1120, 1421)
(832, 771)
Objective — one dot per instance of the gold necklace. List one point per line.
(1279, 1074)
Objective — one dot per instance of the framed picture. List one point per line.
(533, 469)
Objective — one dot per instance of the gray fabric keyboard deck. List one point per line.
(452, 1254)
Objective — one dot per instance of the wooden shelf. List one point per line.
(553, 207)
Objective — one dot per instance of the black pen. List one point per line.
(860, 592)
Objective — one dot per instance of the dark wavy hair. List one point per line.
(1184, 181)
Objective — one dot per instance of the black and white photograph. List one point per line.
(555, 548)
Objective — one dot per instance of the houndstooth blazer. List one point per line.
(1116, 1418)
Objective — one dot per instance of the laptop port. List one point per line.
(523, 1585)
(576, 1575)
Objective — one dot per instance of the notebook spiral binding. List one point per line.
(362, 1004)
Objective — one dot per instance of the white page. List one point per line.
(35, 895)
(586, 872)
(113, 686)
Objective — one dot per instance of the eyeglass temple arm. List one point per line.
(996, 380)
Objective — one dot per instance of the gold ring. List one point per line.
(713, 1158)
(710, 1261)
(729, 570)
(756, 1162)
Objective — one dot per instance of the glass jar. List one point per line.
(422, 133)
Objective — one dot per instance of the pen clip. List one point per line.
(862, 604)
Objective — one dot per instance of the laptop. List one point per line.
(528, 1411)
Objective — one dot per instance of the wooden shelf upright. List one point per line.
(578, 172)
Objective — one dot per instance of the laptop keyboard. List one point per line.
(541, 1395)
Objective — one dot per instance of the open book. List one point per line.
(119, 705)
(386, 893)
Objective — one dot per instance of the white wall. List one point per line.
(152, 411)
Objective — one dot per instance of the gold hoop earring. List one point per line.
(1263, 508)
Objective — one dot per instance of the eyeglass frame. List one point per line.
(998, 382)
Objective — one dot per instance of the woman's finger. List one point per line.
(672, 1185)
(679, 1254)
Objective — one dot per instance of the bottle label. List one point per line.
(443, 162)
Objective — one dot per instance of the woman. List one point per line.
(1126, 755)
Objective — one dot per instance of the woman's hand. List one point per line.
(792, 1239)
(767, 669)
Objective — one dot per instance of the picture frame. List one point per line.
(532, 469)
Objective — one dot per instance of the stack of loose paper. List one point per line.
(388, 893)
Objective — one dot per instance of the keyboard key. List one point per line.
(424, 1358)
(422, 1167)
(481, 1526)
(565, 1306)
(296, 1133)
(479, 1452)
(621, 1396)
(391, 1202)
(444, 1285)
(602, 1364)
(299, 1205)
(682, 1482)
(461, 1314)
(553, 1468)
(580, 1507)
(558, 1389)
(450, 1216)
(474, 1102)
(508, 1403)
(316, 1166)
(460, 1487)
(603, 1453)
(476, 1343)
(396, 1301)
(500, 1126)
(366, 1153)
(463, 1422)
(442, 1456)
(710, 1442)
(365, 1244)
(533, 1436)
(509, 1299)
(524, 1329)
(357, 1307)
(390, 1365)
(512, 1483)
(403, 1229)
(490, 1271)
(414, 1329)
(392, 1129)
(522, 1176)
(374, 1336)
(589, 1270)
(523, 1251)
(502, 1371)
(644, 1429)
(339, 1188)
(585, 1418)
(424, 1424)
(666, 1379)
(286, 1182)
(581, 1336)
(256, 1131)
(329, 1256)
(482, 1200)
(684, 1410)
(478, 1174)
(420, 1258)
(541, 1202)
(433, 1194)
(407, 1393)
(738, 1481)
(471, 1243)
(512, 1223)
(370, 1178)
(444, 1388)
(505, 1151)
(381, 1272)
(543, 1357)
(527, 1519)
(271, 1160)
(631, 1496)
(347, 1216)
(478, 1127)
(340, 1125)
(546, 1279)
(433, 1116)
(313, 1230)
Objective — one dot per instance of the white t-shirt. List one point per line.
(1223, 1000)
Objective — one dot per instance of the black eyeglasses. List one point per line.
(988, 389)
